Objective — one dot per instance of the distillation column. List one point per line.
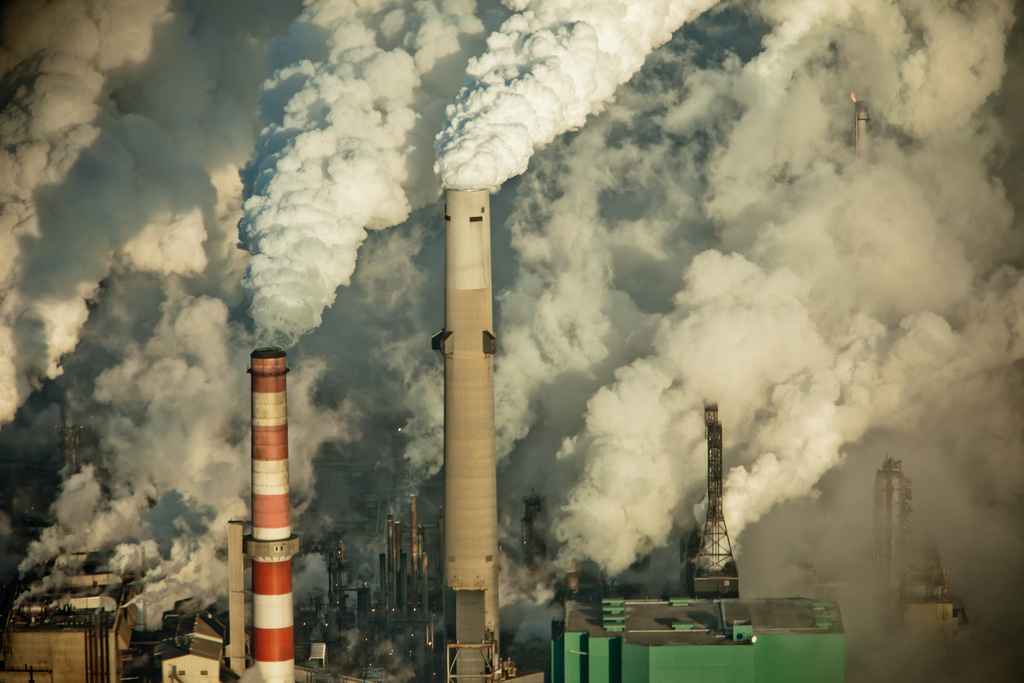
(271, 545)
(468, 344)
(892, 508)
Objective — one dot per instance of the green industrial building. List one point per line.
(790, 640)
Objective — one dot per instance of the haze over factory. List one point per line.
(528, 340)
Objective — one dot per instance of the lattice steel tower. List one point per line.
(715, 574)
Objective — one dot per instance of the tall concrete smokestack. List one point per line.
(470, 482)
(271, 545)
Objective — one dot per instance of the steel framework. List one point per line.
(714, 559)
(534, 547)
(481, 654)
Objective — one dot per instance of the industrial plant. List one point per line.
(431, 596)
(911, 582)
(708, 626)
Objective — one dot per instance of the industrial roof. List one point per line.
(206, 649)
(83, 601)
(700, 622)
(195, 635)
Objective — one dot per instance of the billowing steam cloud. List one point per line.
(705, 233)
(56, 63)
(124, 127)
(549, 66)
(358, 89)
(177, 408)
(854, 288)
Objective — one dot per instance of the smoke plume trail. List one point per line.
(546, 69)
(176, 408)
(56, 60)
(124, 126)
(855, 289)
(709, 234)
(347, 115)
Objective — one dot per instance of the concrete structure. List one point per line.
(471, 512)
(860, 126)
(74, 635)
(792, 640)
(271, 545)
(235, 650)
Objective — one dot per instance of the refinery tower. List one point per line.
(468, 344)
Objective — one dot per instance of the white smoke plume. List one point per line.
(855, 288)
(59, 57)
(124, 129)
(178, 469)
(546, 69)
(705, 232)
(357, 90)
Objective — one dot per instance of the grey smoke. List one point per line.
(704, 233)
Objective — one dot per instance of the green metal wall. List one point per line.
(558, 661)
(577, 661)
(784, 658)
(702, 664)
(635, 663)
(605, 660)
(799, 658)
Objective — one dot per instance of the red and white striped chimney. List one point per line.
(271, 545)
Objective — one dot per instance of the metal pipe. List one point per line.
(425, 597)
(414, 550)
(396, 575)
(271, 544)
(402, 599)
(860, 126)
(383, 598)
(389, 574)
(468, 345)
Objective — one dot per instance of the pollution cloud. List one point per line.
(356, 90)
(545, 70)
(702, 230)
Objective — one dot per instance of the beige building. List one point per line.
(77, 635)
(194, 658)
(193, 654)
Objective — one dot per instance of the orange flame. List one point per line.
(853, 97)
